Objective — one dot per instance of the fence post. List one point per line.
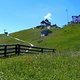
(5, 50)
(42, 50)
(18, 49)
(54, 50)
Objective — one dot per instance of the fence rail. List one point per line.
(18, 49)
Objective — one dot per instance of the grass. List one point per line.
(65, 39)
(41, 67)
(63, 65)
(30, 35)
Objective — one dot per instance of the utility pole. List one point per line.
(4, 31)
(67, 15)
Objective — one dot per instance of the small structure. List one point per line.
(45, 32)
(46, 23)
(5, 32)
(75, 19)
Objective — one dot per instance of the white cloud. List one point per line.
(48, 16)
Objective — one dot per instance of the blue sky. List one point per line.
(16, 15)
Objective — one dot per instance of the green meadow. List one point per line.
(62, 65)
(51, 66)
(64, 39)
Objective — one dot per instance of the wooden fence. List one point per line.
(17, 49)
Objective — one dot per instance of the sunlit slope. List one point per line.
(68, 38)
(4, 39)
(32, 35)
(28, 36)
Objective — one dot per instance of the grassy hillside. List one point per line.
(48, 66)
(65, 39)
(25, 35)
(41, 67)
(68, 38)
(30, 35)
(7, 40)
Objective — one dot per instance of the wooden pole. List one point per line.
(5, 50)
(42, 50)
(18, 49)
